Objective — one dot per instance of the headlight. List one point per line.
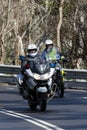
(41, 77)
(37, 76)
(46, 76)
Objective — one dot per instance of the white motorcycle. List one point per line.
(38, 84)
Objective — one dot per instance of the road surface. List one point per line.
(68, 113)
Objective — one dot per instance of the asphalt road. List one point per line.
(69, 113)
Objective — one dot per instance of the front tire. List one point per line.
(32, 105)
(60, 89)
(43, 105)
(42, 101)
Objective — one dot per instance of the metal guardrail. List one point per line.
(8, 73)
(10, 69)
(74, 78)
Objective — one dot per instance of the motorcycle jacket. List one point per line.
(28, 62)
(52, 55)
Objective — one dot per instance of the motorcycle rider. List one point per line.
(27, 62)
(32, 53)
(51, 51)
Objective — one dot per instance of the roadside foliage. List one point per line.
(27, 21)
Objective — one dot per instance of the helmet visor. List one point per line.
(49, 45)
(32, 50)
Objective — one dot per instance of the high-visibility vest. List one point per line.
(52, 55)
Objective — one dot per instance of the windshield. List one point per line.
(40, 65)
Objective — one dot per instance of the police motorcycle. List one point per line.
(38, 85)
(60, 74)
(59, 78)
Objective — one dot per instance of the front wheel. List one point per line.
(32, 105)
(60, 89)
(42, 101)
(43, 104)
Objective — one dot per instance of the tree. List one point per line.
(27, 21)
(60, 23)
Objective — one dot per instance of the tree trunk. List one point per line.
(1, 50)
(60, 23)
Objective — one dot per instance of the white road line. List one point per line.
(9, 88)
(40, 123)
(84, 97)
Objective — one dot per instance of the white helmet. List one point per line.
(32, 50)
(49, 45)
(49, 42)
